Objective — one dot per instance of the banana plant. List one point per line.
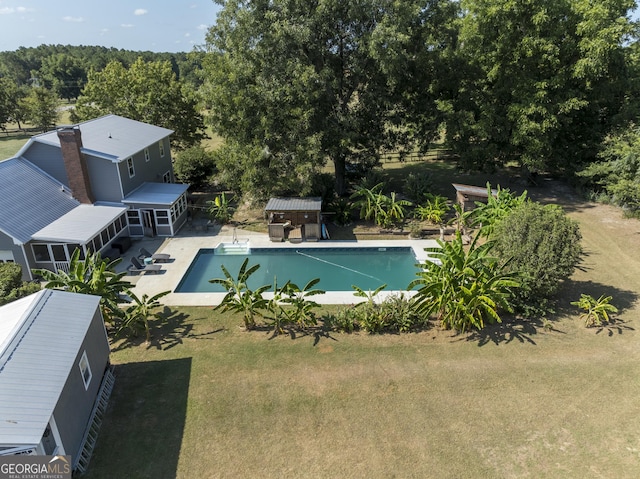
(465, 287)
(220, 209)
(596, 311)
(91, 275)
(240, 298)
(300, 310)
(135, 318)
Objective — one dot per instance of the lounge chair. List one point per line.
(160, 257)
(137, 267)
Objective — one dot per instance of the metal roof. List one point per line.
(29, 199)
(294, 204)
(112, 137)
(156, 193)
(37, 356)
(80, 224)
(473, 190)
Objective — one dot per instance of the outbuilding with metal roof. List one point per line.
(55, 375)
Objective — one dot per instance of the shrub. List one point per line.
(417, 186)
(194, 166)
(11, 285)
(543, 245)
(394, 314)
(344, 320)
(341, 209)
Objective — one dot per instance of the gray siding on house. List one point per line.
(49, 159)
(103, 175)
(151, 171)
(75, 404)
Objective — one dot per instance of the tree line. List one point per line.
(292, 85)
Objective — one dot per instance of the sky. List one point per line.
(138, 25)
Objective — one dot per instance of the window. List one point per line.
(134, 217)
(132, 171)
(167, 177)
(85, 370)
(41, 253)
(6, 257)
(59, 252)
(161, 148)
(162, 217)
(146, 154)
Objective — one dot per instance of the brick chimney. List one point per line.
(75, 164)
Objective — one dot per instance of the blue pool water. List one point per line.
(337, 268)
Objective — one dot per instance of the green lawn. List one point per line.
(214, 401)
(11, 144)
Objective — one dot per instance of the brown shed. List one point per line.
(295, 219)
(467, 195)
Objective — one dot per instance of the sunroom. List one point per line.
(90, 228)
(157, 209)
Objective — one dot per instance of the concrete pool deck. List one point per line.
(184, 247)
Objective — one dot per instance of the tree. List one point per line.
(91, 275)
(543, 81)
(617, 174)
(465, 289)
(146, 91)
(64, 74)
(41, 108)
(308, 81)
(541, 243)
(195, 166)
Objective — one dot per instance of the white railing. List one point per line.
(61, 266)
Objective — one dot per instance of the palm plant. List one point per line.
(135, 318)
(596, 311)
(91, 275)
(240, 298)
(463, 289)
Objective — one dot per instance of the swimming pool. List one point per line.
(337, 267)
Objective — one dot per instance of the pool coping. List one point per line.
(184, 249)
